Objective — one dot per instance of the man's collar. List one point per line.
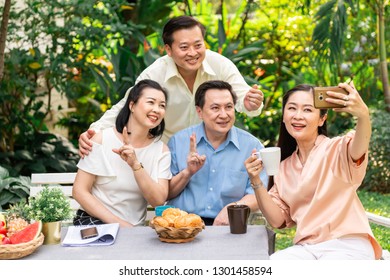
(171, 69)
(231, 137)
(206, 66)
(200, 133)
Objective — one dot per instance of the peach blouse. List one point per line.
(320, 197)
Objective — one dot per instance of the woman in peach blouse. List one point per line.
(315, 189)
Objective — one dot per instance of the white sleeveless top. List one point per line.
(115, 185)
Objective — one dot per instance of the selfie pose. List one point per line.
(315, 189)
(129, 166)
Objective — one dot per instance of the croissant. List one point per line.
(171, 212)
(183, 213)
(194, 220)
(170, 219)
(180, 222)
(162, 222)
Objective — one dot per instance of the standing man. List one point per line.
(186, 65)
(208, 159)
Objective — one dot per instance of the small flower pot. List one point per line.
(52, 233)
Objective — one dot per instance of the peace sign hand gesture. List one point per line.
(194, 160)
(126, 152)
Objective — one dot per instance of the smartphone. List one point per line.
(89, 232)
(320, 95)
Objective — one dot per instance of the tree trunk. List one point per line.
(382, 56)
(3, 35)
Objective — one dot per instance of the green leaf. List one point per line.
(23, 155)
(3, 173)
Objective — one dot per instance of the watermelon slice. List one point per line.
(27, 234)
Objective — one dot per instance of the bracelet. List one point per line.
(140, 167)
(256, 186)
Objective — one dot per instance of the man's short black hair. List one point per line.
(178, 23)
(215, 84)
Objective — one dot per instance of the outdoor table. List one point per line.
(142, 243)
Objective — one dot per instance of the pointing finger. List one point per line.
(193, 143)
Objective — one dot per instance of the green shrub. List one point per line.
(377, 178)
(12, 189)
(50, 205)
(40, 152)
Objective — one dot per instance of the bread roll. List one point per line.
(170, 219)
(194, 220)
(183, 213)
(174, 217)
(162, 222)
(181, 222)
(171, 212)
(189, 220)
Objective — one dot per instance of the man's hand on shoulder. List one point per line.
(85, 145)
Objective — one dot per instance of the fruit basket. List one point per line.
(176, 235)
(17, 251)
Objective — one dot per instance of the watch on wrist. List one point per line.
(140, 167)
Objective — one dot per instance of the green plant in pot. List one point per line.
(51, 206)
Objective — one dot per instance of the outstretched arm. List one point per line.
(355, 105)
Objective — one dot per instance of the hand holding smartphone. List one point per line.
(320, 93)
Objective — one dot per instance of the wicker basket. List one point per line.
(176, 235)
(17, 251)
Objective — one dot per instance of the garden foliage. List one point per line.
(91, 52)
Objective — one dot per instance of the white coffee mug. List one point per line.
(271, 159)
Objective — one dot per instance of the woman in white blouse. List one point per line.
(129, 166)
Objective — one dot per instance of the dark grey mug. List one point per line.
(238, 218)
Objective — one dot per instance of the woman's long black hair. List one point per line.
(286, 142)
(134, 95)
